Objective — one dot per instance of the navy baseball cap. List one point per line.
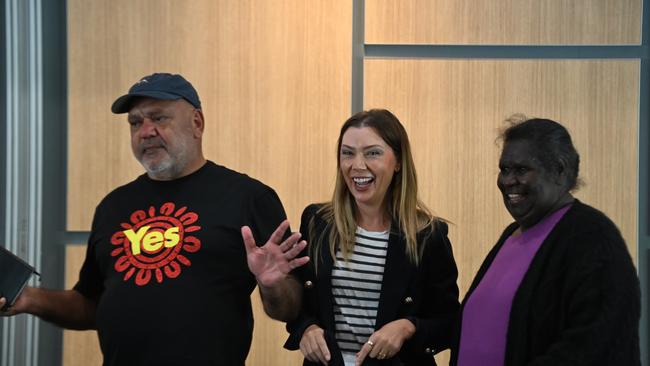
(158, 86)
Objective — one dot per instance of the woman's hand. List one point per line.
(387, 341)
(313, 345)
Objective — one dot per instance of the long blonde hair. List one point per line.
(404, 205)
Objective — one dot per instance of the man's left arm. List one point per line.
(283, 300)
(273, 262)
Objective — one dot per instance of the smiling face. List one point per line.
(367, 165)
(530, 192)
(166, 137)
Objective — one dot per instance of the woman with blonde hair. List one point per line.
(380, 288)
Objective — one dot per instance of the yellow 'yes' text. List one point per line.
(151, 241)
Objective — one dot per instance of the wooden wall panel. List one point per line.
(273, 77)
(79, 348)
(268, 340)
(549, 22)
(453, 109)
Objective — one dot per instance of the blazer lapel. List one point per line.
(397, 273)
(325, 286)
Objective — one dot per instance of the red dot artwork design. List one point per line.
(154, 243)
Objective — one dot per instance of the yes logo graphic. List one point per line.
(152, 241)
(155, 242)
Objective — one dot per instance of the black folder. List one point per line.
(14, 274)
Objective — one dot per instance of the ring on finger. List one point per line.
(370, 344)
(382, 355)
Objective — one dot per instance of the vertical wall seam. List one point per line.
(358, 55)
(642, 205)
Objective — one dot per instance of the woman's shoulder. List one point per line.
(433, 225)
(583, 220)
(315, 212)
(440, 225)
(312, 210)
(435, 232)
(586, 235)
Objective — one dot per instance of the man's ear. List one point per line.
(198, 123)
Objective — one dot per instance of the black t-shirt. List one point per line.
(167, 266)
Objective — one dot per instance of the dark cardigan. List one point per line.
(426, 295)
(578, 303)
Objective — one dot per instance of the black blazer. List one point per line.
(427, 294)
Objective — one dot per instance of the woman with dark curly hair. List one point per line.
(559, 287)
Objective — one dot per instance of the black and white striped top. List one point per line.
(356, 286)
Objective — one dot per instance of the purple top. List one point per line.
(487, 310)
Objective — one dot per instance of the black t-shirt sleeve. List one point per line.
(90, 283)
(266, 214)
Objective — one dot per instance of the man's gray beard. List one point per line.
(171, 167)
(167, 169)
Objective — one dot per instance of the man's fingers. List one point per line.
(249, 241)
(8, 312)
(277, 235)
(290, 242)
(290, 255)
(298, 262)
(295, 250)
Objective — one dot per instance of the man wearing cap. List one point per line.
(166, 279)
